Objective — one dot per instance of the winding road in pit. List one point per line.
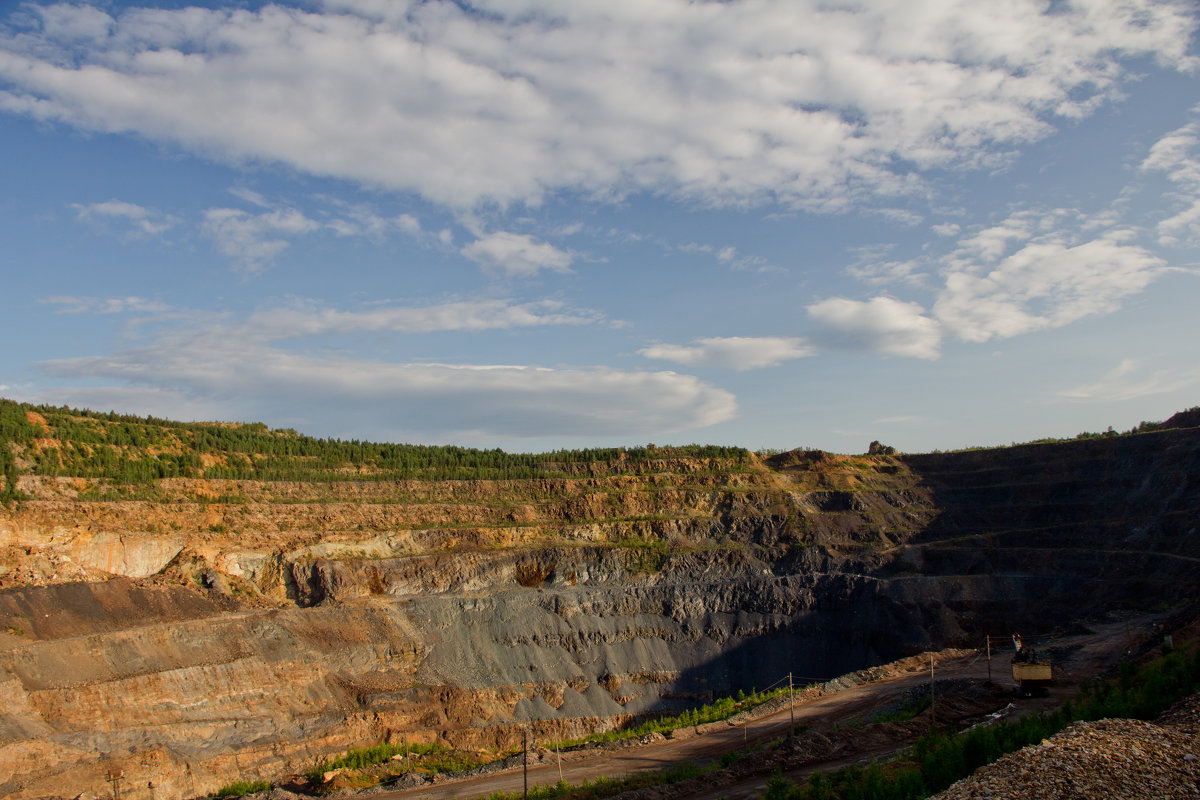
(1077, 657)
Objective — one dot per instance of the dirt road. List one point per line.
(1076, 657)
(857, 701)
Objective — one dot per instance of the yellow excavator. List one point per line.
(1032, 674)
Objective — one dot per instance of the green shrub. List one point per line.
(239, 788)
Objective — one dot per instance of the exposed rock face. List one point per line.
(258, 628)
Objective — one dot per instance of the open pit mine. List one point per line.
(193, 604)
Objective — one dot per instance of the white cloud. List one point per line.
(736, 352)
(464, 315)
(881, 325)
(901, 216)
(811, 103)
(225, 368)
(1177, 155)
(1039, 270)
(72, 304)
(253, 241)
(1129, 381)
(74, 22)
(873, 267)
(235, 371)
(136, 400)
(516, 254)
(134, 220)
(1036, 270)
(727, 255)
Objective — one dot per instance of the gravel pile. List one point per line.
(1111, 758)
(1184, 715)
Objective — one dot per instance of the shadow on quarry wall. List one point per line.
(1084, 527)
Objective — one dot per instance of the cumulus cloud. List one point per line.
(128, 218)
(881, 325)
(516, 255)
(1039, 270)
(236, 369)
(809, 103)
(735, 352)
(1129, 381)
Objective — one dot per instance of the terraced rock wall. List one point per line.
(195, 632)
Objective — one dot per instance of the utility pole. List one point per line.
(558, 752)
(932, 694)
(791, 707)
(989, 657)
(114, 777)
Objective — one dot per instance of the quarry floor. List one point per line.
(835, 732)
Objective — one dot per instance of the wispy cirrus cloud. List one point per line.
(810, 104)
(1130, 380)
(311, 319)
(253, 241)
(128, 219)
(732, 352)
(1177, 155)
(75, 304)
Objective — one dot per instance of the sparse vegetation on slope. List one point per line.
(940, 759)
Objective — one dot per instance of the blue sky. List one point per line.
(535, 225)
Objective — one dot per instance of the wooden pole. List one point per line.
(558, 752)
(932, 694)
(114, 777)
(791, 707)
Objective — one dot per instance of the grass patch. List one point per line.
(431, 758)
(716, 711)
(239, 788)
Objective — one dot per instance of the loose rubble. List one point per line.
(1110, 758)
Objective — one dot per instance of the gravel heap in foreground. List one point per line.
(1111, 758)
